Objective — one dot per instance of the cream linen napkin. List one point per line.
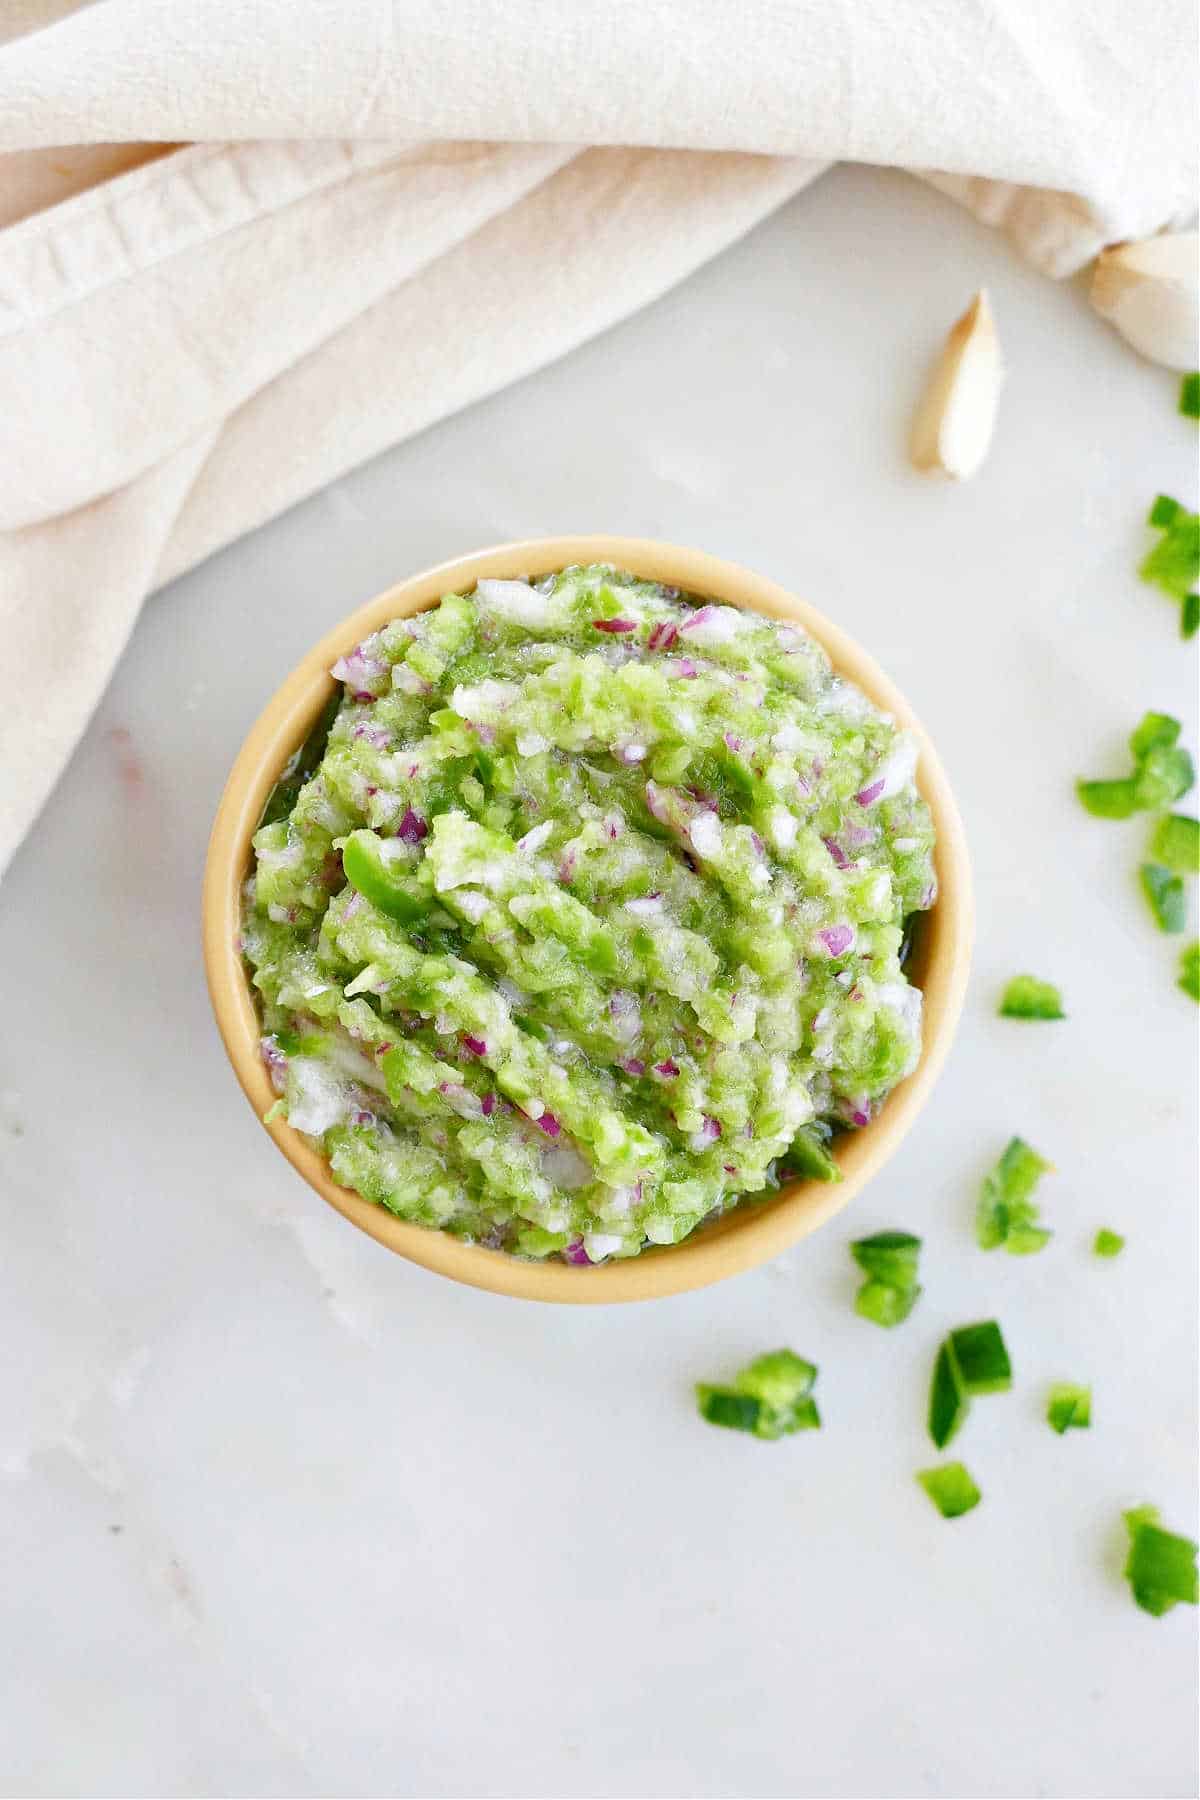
(394, 209)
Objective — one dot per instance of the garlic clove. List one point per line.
(957, 415)
(1148, 290)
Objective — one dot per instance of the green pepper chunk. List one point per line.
(884, 1304)
(1176, 844)
(1069, 1407)
(981, 1357)
(1109, 799)
(1157, 731)
(771, 1398)
(948, 1402)
(1027, 997)
(389, 886)
(809, 1159)
(722, 1406)
(1161, 1566)
(1006, 1213)
(889, 1256)
(1165, 895)
(951, 1489)
(1164, 774)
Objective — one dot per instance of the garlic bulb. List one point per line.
(957, 414)
(1148, 290)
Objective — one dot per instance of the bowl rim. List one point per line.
(744, 1237)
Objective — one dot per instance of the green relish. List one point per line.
(586, 920)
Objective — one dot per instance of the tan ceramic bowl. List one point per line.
(741, 1239)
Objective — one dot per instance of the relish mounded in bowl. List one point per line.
(581, 919)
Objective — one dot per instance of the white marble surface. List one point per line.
(282, 1515)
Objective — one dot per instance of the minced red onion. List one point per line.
(413, 829)
(359, 670)
(376, 735)
(837, 939)
(835, 850)
(615, 625)
(708, 1134)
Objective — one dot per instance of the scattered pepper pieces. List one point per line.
(1162, 773)
(1161, 1566)
(1176, 843)
(1173, 565)
(771, 1398)
(1026, 997)
(951, 1489)
(809, 1159)
(1108, 1243)
(889, 1260)
(1006, 1213)
(1069, 1407)
(1165, 894)
(972, 1360)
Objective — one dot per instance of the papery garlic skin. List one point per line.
(1150, 291)
(954, 423)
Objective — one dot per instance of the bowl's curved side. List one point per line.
(744, 1237)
